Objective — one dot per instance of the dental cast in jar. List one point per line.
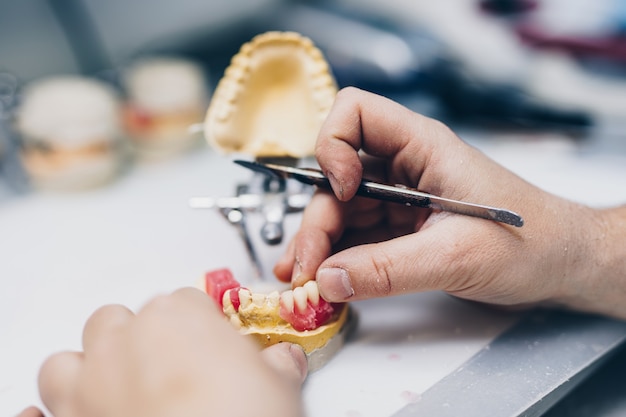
(71, 132)
(166, 96)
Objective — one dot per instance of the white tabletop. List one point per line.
(64, 255)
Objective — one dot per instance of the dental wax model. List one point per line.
(166, 96)
(298, 316)
(272, 98)
(71, 130)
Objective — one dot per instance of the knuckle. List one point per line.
(462, 267)
(382, 283)
(156, 304)
(108, 313)
(348, 93)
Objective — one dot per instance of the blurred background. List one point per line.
(544, 75)
(526, 66)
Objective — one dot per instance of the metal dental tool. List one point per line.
(268, 196)
(397, 194)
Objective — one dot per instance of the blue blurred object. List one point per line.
(471, 101)
(12, 175)
(364, 50)
(367, 52)
(507, 7)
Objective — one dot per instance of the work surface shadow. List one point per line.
(602, 394)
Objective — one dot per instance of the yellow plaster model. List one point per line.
(272, 98)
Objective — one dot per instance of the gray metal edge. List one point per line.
(525, 370)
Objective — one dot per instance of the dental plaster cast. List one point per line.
(298, 316)
(271, 102)
(272, 99)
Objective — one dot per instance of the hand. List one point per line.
(177, 357)
(558, 256)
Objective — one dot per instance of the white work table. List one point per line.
(64, 255)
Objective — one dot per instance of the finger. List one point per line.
(369, 212)
(195, 300)
(368, 271)
(361, 120)
(288, 360)
(437, 258)
(204, 340)
(31, 412)
(322, 226)
(58, 381)
(103, 322)
(284, 267)
(104, 353)
(188, 309)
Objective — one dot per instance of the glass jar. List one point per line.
(166, 97)
(71, 133)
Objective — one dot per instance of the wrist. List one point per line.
(597, 271)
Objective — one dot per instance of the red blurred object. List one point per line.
(611, 47)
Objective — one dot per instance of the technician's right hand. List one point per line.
(358, 248)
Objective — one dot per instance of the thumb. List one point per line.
(409, 263)
(288, 360)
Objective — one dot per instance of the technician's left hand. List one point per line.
(176, 357)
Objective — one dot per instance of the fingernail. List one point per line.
(335, 184)
(299, 357)
(334, 284)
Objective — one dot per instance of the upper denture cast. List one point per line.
(272, 98)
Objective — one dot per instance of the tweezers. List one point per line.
(396, 194)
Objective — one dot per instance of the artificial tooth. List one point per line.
(227, 304)
(236, 321)
(313, 292)
(237, 73)
(300, 298)
(245, 298)
(287, 300)
(258, 299)
(273, 298)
